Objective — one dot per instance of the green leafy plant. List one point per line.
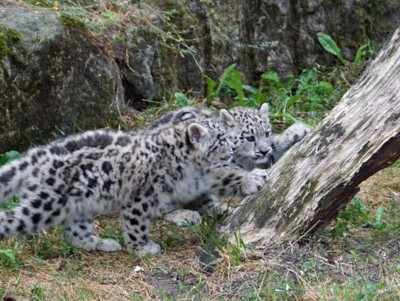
(231, 80)
(110, 15)
(309, 93)
(8, 38)
(37, 293)
(9, 204)
(181, 100)
(8, 258)
(113, 234)
(8, 156)
(316, 94)
(365, 51)
(5, 158)
(330, 45)
(356, 214)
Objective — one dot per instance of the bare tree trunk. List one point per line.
(320, 175)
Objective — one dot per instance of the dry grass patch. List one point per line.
(359, 263)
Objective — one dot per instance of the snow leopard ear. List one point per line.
(264, 111)
(226, 118)
(197, 133)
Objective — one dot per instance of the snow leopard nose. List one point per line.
(265, 152)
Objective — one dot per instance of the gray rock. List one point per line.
(55, 80)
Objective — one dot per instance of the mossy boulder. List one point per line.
(53, 78)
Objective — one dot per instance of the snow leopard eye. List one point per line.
(251, 138)
(267, 134)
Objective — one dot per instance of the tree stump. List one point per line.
(321, 174)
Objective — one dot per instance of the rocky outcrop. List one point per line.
(208, 36)
(55, 77)
(53, 80)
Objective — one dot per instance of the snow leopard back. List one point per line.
(10, 177)
(172, 118)
(13, 174)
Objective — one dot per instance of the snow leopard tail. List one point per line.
(15, 174)
(11, 178)
(23, 219)
(10, 225)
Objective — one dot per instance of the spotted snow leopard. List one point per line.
(249, 129)
(68, 181)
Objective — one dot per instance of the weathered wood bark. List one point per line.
(320, 175)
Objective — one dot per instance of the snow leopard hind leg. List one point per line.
(136, 217)
(78, 229)
(39, 208)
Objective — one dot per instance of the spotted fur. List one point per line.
(69, 181)
(172, 118)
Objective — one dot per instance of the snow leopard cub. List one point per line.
(256, 147)
(69, 181)
(250, 131)
(255, 144)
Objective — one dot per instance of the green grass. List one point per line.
(37, 293)
(8, 204)
(8, 259)
(213, 241)
(383, 219)
(8, 38)
(306, 97)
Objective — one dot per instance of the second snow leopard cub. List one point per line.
(69, 181)
(251, 133)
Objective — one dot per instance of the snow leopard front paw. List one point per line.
(254, 181)
(296, 132)
(149, 248)
(108, 245)
(219, 209)
(181, 217)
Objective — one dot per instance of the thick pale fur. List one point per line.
(139, 174)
